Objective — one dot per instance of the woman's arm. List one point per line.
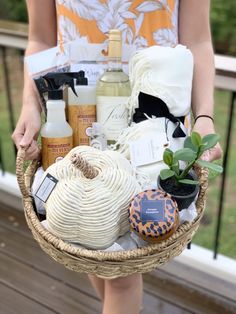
(194, 32)
(42, 35)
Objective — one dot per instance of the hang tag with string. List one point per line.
(46, 187)
(148, 149)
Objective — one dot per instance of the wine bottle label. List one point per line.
(81, 117)
(112, 113)
(55, 149)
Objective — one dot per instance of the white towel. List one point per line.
(163, 72)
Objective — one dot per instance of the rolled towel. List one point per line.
(163, 72)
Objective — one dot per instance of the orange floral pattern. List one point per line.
(143, 22)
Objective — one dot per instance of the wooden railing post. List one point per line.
(225, 79)
(7, 88)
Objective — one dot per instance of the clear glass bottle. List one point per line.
(113, 91)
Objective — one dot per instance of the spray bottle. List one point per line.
(56, 133)
(81, 109)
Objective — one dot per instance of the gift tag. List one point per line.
(46, 187)
(148, 149)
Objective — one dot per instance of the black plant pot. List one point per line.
(184, 194)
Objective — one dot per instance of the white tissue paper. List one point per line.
(188, 214)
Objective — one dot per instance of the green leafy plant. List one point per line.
(194, 147)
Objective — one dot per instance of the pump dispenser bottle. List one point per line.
(56, 133)
(113, 90)
(81, 109)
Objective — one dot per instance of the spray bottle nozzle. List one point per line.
(81, 79)
(56, 81)
(53, 82)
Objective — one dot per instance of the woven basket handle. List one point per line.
(20, 159)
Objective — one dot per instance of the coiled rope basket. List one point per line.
(102, 263)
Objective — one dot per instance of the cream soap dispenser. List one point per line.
(81, 109)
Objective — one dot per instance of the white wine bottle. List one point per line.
(113, 91)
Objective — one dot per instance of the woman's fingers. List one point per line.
(205, 126)
(32, 152)
(213, 153)
(26, 133)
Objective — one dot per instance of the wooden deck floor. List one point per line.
(31, 282)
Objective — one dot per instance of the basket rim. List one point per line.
(98, 255)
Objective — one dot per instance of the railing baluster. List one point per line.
(1, 158)
(225, 163)
(8, 91)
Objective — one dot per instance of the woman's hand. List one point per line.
(205, 126)
(26, 131)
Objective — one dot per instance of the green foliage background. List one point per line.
(223, 21)
(14, 10)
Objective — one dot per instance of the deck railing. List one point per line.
(14, 35)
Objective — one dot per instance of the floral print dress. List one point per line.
(143, 22)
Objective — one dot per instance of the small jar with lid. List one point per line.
(97, 138)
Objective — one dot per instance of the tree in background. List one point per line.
(223, 21)
(14, 10)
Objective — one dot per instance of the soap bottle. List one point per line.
(81, 109)
(113, 91)
(56, 133)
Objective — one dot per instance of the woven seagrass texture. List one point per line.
(100, 263)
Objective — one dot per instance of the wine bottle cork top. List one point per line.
(115, 34)
(114, 46)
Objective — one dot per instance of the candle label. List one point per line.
(153, 210)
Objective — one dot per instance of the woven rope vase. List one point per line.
(100, 263)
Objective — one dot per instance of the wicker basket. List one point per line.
(106, 264)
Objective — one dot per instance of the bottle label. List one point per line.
(55, 149)
(81, 117)
(112, 113)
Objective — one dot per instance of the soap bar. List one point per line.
(153, 215)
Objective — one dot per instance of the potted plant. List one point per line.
(179, 179)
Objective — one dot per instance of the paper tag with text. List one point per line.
(148, 149)
(46, 187)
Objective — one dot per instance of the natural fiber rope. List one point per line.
(88, 170)
(111, 264)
